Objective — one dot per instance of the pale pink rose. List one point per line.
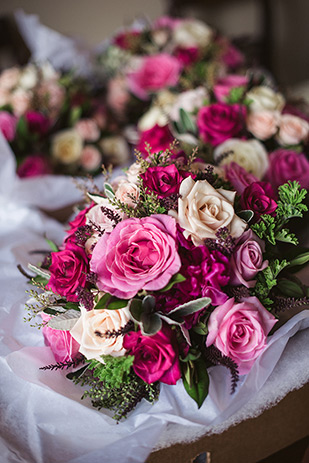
(20, 101)
(203, 210)
(126, 192)
(87, 129)
(118, 95)
(263, 124)
(240, 331)
(90, 158)
(63, 346)
(7, 125)
(292, 130)
(89, 331)
(133, 172)
(155, 73)
(225, 84)
(9, 78)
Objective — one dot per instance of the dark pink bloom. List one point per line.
(233, 58)
(137, 254)
(155, 73)
(240, 331)
(37, 122)
(68, 272)
(238, 177)
(225, 84)
(163, 180)
(159, 138)
(7, 125)
(78, 221)
(63, 346)
(288, 165)
(259, 198)
(126, 39)
(34, 166)
(220, 121)
(166, 22)
(155, 357)
(187, 56)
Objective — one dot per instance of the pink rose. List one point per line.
(87, 129)
(63, 346)
(159, 138)
(155, 357)
(220, 121)
(7, 125)
(240, 331)
(187, 56)
(118, 95)
(238, 177)
(90, 158)
(225, 84)
(288, 165)
(68, 272)
(37, 122)
(137, 254)
(292, 130)
(155, 73)
(33, 166)
(263, 124)
(247, 260)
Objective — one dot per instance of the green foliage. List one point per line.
(114, 371)
(195, 379)
(267, 280)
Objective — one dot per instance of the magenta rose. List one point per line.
(159, 138)
(247, 260)
(238, 177)
(34, 166)
(225, 84)
(187, 56)
(127, 39)
(62, 345)
(7, 125)
(220, 121)
(155, 357)
(78, 221)
(259, 198)
(137, 254)
(37, 122)
(288, 165)
(233, 58)
(155, 73)
(163, 180)
(240, 331)
(68, 272)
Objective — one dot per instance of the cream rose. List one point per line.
(29, 77)
(265, 98)
(203, 210)
(115, 149)
(263, 124)
(249, 154)
(292, 130)
(192, 33)
(89, 331)
(154, 116)
(67, 146)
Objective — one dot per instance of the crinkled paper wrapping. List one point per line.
(42, 417)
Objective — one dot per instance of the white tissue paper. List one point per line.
(42, 416)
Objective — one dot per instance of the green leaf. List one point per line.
(43, 273)
(150, 324)
(190, 307)
(236, 94)
(75, 115)
(200, 328)
(198, 384)
(136, 309)
(177, 278)
(64, 321)
(108, 189)
(71, 305)
(40, 280)
(178, 127)
(101, 304)
(301, 259)
(290, 288)
(117, 304)
(246, 215)
(22, 128)
(52, 245)
(187, 121)
(97, 199)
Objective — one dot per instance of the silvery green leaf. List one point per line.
(136, 309)
(169, 320)
(97, 198)
(65, 321)
(149, 304)
(246, 215)
(150, 324)
(188, 138)
(187, 121)
(186, 334)
(109, 191)
(191, 307)
(39, 271)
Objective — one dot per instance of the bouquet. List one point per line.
(170, 269)
(56, 123)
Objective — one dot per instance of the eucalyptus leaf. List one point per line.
(190, 307)
(150, 324)
(149, 304)
(65, 321)
(39, 271)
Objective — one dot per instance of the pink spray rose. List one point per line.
(159, 138)
(137, 254)
(155, 73)
(63, 346)
(7, 125)
(240, 331)
(288, 165)
(225, 84)
(238, 177)
(68, 272)
(37, 122)
(259, 198)
(34, 166)
(220, 121)
(155, 357)
(247, 260)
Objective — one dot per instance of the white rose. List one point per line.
(190, 101)
(90, 329)
(192, 33)
(292, 130)
(265, 98)
(203, 210)
(153, 116)
(29, 77)
(115, 149)
(67, 146)
(249, 154)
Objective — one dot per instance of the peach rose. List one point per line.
(203, 210)
(87, 129)
(89, 331)
(263, 124)
(67, 146)
(292, 130)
